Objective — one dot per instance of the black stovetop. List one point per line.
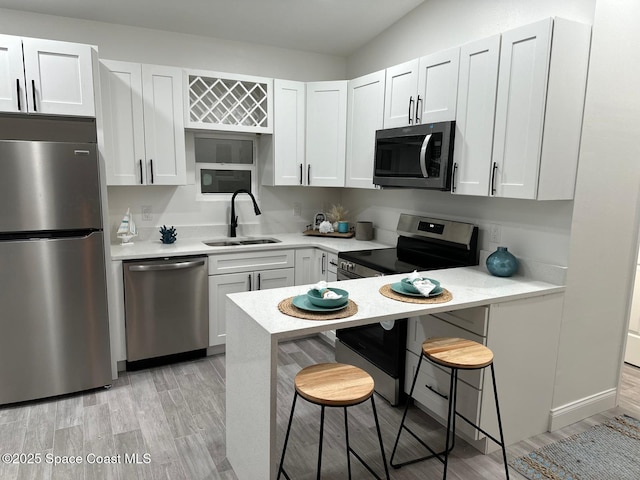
(410, 255)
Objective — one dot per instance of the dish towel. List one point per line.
(423, 285)
(324, 292)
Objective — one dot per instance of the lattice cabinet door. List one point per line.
(222, 101)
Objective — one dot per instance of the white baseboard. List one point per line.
(580, 409)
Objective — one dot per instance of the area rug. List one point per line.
(609, 451)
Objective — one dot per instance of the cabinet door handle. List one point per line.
(140, 171)
(309, 174)
(250, 283)
(493, 178)
(446, 397)
(322, 264)
(18, 90)
(300, 174)
(418, 109)
(410, 109)
(33, 92)
(151, 164)
(259, 282)
(453, 177)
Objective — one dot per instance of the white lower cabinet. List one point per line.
(243, 272)
(314, 264)
(523, 336)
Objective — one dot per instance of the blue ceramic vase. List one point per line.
(502, 263)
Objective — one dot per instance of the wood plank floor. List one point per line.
(175, 414)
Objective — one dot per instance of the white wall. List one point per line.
(537, 230)
(604, 231)
(119, 42)
(436, 25)
(597, 233)
(177, 205)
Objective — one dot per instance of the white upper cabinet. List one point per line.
(46, 77)
(289, 132)
(144, 127)
(365, 112)
(12, 94)
(539, 107)
(401, 91)
(326, 127)
(228, 102)
(438, 86)
(423, 90)
(477, 88)
(309, 138)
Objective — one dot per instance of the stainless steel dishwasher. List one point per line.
(166, 306)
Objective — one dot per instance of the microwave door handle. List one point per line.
(423, 155)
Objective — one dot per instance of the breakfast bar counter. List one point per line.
(255, 325)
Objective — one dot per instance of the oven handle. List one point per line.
(423, 155)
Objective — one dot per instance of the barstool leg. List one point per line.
(286, 438)
(404, 415)
(320, 446)
(451, 419)
(384, 459)
(504, 449)
(346, 434)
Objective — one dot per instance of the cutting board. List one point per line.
(316, 233)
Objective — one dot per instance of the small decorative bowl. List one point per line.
(408, 284)
(314, 297)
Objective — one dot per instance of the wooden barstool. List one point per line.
(334, 385)
(455, 354)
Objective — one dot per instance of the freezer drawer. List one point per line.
(54, 325)
(166, 306)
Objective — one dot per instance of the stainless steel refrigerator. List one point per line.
(54, 329)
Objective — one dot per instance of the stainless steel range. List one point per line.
(423, 244)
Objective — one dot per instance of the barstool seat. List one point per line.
(334, 385)
(455, 354)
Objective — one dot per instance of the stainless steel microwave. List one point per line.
(417, 156)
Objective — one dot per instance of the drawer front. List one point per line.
(421, 328)
(472, 319)
(432, 379)
(250, 261)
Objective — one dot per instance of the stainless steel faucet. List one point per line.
(234, 219)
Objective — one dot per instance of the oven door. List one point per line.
(383, 346)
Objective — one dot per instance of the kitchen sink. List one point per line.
(241, 241)
(258, 241)
(220, 243)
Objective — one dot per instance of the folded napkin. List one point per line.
(423, 285)
(324, 292)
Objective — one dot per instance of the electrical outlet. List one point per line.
(495, 233)
(297, 209)
(147, 213)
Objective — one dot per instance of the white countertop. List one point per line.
(195, 246)
(470, 286)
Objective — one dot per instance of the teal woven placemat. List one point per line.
(609, 451)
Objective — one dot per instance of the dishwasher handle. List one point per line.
(165, 266)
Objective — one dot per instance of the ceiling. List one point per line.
(336, 27)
